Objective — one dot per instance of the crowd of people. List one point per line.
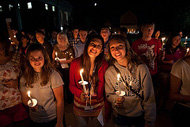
(105, 76)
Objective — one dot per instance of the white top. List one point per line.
(45, 97)
(181, 69)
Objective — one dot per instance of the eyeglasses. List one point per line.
(120, 47)
(36, 59)
(96, 46)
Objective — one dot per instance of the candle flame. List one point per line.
(56, 53)
(130, 83)
(28, 94)
(163, 38)
(118, 77)
(81, 71)
(186, 37)
(187, 49)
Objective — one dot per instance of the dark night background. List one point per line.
(168, 15)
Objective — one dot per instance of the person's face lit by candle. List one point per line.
(118, 50)
(94, 48)
(40, 37)
(176, 41)
(36, 60)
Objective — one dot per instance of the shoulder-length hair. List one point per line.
(86, 59)
(29, 73)
(65, 36)
(169, 41)
(133, 59)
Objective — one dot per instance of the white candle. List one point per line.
(82, 79)
(118, 77)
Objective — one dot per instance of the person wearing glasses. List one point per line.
(89, 99)
(45, 85)
(128, 86)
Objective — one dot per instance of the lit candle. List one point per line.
(81, 71)
(29, 96)
(186, 40)
(187, 51)
(82, 79)
(118, 77)
(120, 92)
(163, 43)
(163, 39)
(56, 57)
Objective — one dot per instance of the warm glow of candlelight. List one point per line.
(81, 71)
(118, 77)
(56, 57)
(163, 39)
(187, 49)
(29, 94)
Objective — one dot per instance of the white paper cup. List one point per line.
(122, 93)
(83, 82)
(32, 103)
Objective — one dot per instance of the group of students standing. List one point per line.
(109, 77)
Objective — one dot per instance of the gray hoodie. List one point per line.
(133, 106)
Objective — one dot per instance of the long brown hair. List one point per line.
(133, 59)
(86, 59)
(29, 73)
